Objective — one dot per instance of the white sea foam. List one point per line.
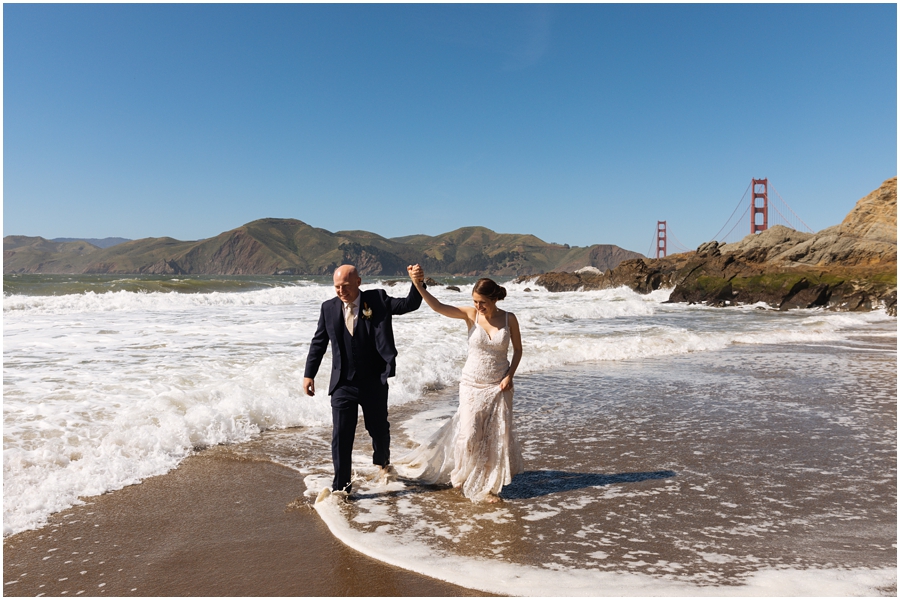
(506, 578)
(102, 390)
(727, 512)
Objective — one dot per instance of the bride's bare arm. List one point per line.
(516, 338)
(454, 312)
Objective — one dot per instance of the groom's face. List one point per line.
(346, 285)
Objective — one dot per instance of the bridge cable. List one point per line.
(655, 242)
(677, 241)
(738, 222)
(790, 209)
(781, 215)
(741, 201)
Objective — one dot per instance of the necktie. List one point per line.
(348, 317)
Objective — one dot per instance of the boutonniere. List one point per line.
(366, 311)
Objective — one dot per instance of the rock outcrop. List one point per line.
(589, 270)
(866, 237)
(851, 266)
(560, 282)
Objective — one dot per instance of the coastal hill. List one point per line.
(100, 243)
(292, 247)
(850, 266)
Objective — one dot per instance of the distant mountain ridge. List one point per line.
(291, 247)
(99, 242)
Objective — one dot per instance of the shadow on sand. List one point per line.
(533, 484)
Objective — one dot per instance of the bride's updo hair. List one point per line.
(489, 289)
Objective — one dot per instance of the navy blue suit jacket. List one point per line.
(331, 329)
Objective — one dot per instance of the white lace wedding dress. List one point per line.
(477, 449)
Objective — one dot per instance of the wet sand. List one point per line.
(693, 473)
(216, 526)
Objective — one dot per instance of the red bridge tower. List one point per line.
(760, 192)
(660, 239)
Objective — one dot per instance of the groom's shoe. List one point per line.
(387, 473)
(341, 497)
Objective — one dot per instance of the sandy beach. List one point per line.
(216, 526)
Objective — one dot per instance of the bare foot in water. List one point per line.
(492, 499)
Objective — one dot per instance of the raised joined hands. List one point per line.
(415, 273)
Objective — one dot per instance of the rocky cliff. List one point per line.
(866, 237)
(851, 266)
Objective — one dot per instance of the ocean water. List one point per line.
(670, 449)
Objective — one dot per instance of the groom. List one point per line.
(358, 326)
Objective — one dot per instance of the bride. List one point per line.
(476, 451)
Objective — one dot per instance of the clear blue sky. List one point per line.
(580, 124)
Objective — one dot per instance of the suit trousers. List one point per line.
(372, 395)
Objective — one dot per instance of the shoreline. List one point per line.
(641, 474)
(217, 525)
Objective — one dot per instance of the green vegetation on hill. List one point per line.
(289, 246)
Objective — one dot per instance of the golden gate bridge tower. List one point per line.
(660, 239)
(758, 210)
(760, 194)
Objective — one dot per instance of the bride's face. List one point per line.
(483, 304)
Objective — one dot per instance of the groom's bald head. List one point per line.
(346, 271)
(346, 283)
